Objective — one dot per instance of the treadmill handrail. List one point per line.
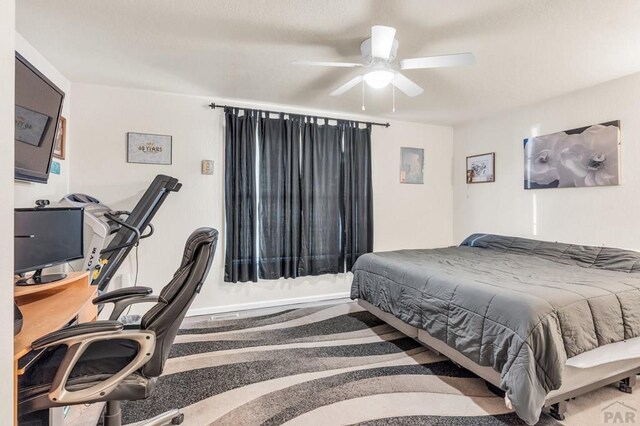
(141, 215)
(112, 216)
(151, 231)
(131, 244)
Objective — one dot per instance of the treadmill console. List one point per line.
(82, 198)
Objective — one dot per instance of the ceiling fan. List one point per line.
(378, 56)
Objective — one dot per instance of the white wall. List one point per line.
(405, 215)
(7, 67)
(595, 216)
(26, 193)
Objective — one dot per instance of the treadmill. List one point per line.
(125, 228)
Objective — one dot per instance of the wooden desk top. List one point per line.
(49, 307)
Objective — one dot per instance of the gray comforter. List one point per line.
(519, 306)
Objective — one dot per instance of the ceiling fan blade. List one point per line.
(407, 86)
(443, 61)
(327, 64)
(382, 41)
(348, 85)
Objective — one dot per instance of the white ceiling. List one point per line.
(526, 50)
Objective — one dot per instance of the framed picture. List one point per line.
(60, 142)
(587, 156)
(411, 165)
(146, 148)
(481, 168)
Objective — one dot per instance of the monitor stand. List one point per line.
(38, 278)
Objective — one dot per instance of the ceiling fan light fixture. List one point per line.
(378, 79)
(380, 67)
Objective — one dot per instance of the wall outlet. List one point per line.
(207, 167)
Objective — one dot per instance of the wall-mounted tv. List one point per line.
(38, 108)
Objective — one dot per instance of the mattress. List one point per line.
(579, 371)
(613, 352)
(521, 307)
(597, 366)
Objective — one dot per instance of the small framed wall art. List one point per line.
(411, 165)
(60, 142)
(481, 168)
(146, 148)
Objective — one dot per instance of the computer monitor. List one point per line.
(46, 237)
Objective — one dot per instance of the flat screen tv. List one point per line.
(38, 108)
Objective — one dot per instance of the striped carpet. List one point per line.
(327, 365)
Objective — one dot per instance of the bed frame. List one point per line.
(575, 381)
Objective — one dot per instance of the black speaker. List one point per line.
(17, 319)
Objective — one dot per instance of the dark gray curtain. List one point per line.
(322, 193)
(358, 192)
(241, 260)
(279, 231)
(314, 203)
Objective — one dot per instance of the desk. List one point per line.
(49, 307)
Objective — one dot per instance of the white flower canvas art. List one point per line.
(582, 157)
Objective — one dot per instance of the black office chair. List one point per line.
(109, 361)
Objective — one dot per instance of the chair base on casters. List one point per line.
(113, 416)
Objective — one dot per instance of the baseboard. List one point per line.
(265, 304)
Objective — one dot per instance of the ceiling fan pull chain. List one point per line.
(363, 108)
(393, 88)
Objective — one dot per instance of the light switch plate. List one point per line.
(207, 167)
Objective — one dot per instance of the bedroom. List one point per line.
(554, 83)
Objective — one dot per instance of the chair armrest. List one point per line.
(56, 337)
(123, 297)
(78, 339)
(122, 293)
(121, 305)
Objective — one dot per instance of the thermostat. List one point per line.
(207, 167)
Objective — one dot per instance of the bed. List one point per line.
(542, 321)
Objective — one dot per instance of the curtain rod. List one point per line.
(213, 105)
